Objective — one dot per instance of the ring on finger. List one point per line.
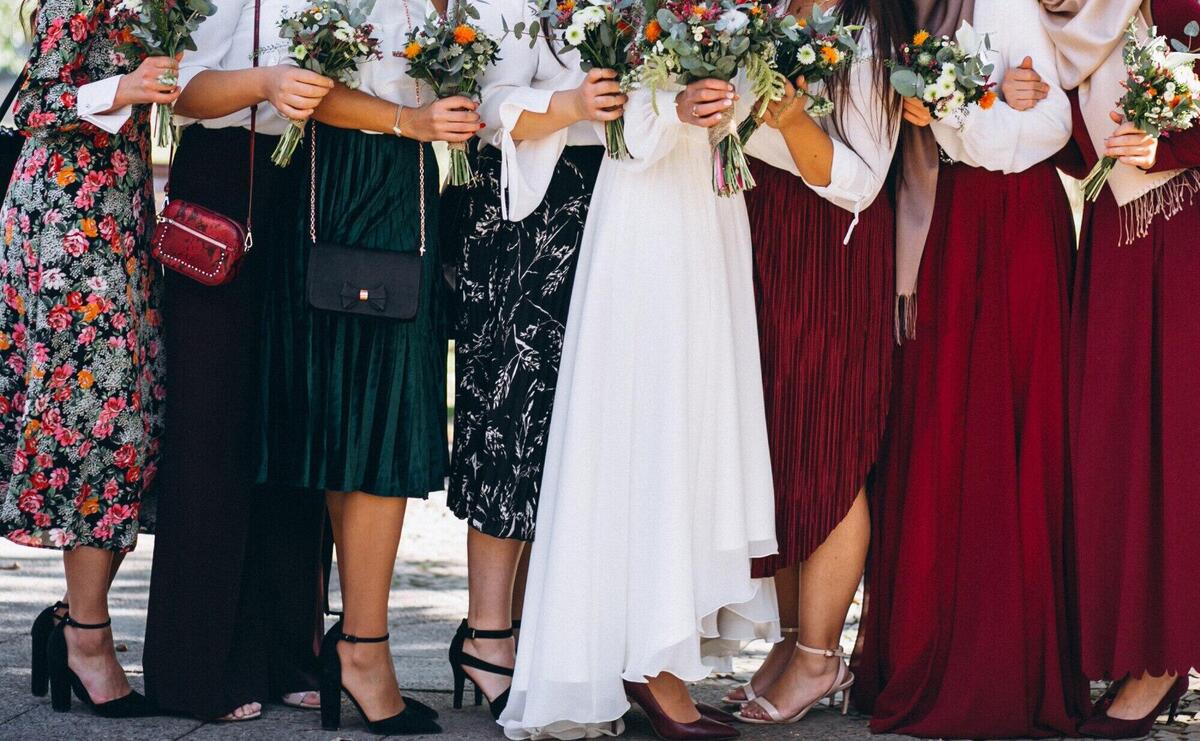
(695, 112)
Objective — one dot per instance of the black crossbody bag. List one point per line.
(351, 280)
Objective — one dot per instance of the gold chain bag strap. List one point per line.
(350, 280)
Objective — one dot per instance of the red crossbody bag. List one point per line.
(200, 243)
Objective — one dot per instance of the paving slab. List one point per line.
(428, 600)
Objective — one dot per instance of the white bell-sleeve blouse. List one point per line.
(862, 150)
(525, 79)
(225, 41)
(1003, 139)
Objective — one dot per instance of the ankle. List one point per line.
(813, 666)
(363, 656)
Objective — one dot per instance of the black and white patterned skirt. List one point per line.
(514, 290)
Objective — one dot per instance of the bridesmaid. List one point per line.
(657, 488)
(234, 609)
(80, 355)
(356, 405)
(966, 632)
(824, 243)
(1135, 335)
(516, 234)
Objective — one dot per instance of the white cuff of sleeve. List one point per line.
(96, 97)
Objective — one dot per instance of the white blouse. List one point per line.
(225, 41)
(1002, 139)
(387, 78)
(526, 79)
(862, 152)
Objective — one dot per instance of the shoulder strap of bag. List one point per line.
(253, 132)
(12, 93)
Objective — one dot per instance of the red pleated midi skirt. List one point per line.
(965, 632)
(825, 332)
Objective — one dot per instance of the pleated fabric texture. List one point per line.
(1135, 433)
(825, 332)
(355, 403)
(966, 631)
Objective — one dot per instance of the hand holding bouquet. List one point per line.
(164, 28)
(823, 47)
(332, 39)
(689, 41)
(1162, 94)
(449, 53)
(603, 32)
(946, 74)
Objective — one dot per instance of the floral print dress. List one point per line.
(80, 360)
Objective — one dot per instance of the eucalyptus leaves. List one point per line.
(163, 28)
(946, 74)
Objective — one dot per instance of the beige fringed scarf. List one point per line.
(919, 175)
(1089, 36)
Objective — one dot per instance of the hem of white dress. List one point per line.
(565, 729)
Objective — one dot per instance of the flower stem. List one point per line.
(614, 139)
(1093, 186)
(282, 156)
(460, 166)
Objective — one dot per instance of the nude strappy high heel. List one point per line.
(748, 688)
(842, 683)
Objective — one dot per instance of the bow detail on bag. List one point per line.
(375, 297)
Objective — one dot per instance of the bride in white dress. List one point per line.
(657, 489)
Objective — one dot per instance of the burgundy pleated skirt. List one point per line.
(965, 632)
(1135, 441)
(825, 333)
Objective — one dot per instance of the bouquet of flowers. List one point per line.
(823, 48)
(1162, 94)
(163, 28)
(688, 41)
(947, 74)
(603, 32)
(330, 38)
(449, 53)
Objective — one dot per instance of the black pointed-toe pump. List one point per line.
(64, 682)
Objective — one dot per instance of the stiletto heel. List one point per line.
(64, 682)
(842, 682)
(1101, 725)
(39, 634)
(460, 660)
(416, 718)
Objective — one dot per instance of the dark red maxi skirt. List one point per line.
(825, 333)
(1135, 442)
(965, 632)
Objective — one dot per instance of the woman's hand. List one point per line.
(1130, 145)
(788, 111)
(916, 113)
(294, 92)
(702, 102)
(599, 97)
(156, 80)
(450, 119)
(1023, 87)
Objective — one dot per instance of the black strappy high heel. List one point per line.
(416, 717)
(460, 659)
(63, 681)
(43, 626)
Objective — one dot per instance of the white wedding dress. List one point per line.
(657, 487)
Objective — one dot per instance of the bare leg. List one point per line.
(518, 598)
(90, 653)
(787, 589)
(672, 694)
(117, 560)
(491, 568)
(828, 582)
(367, 535)
(1137, 698)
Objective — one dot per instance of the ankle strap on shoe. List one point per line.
(472, 634)
(786, 631)
(829, 653)
(68, 620)
(358, 639)
(60, 605)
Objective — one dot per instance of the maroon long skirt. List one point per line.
(965, 632)
(1135, 439)
(825, 333)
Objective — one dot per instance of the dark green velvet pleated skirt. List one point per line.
(354, 403)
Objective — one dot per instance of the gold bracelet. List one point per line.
(397, 127)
